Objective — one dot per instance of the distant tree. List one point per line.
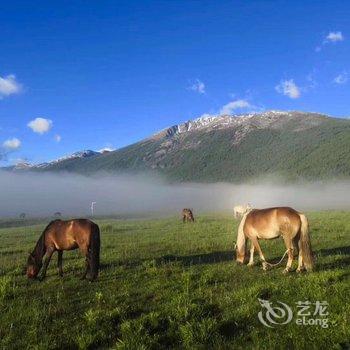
(22, 215)
(57, 214)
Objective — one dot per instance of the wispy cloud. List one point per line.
(40, 125)
(198, 86)
(11, 144)
(233, 106)
(341, 78)
(331, 37)
(57, 138)
(9, 86)
(288, 88)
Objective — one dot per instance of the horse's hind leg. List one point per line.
(59, 263)
(87, 268)
(289, 245)
(300, 259)
(85, 252)
(295, 246)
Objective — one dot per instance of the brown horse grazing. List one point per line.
(62, 235)
(272, 223)
(187, 215)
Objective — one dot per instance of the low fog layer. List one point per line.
(44, 194)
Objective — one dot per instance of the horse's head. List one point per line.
(33, 266)
(240, 255)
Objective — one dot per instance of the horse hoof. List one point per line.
(250, 264)
(285, 271)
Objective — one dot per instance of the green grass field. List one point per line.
(164, 284)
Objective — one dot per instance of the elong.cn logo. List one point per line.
(279, 314)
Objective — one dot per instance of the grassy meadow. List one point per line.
(164, 284)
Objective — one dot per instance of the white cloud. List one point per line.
(58, 138)
(198, 86)
(9, 86)
(12, 144)
(106, 149)
(230, 107)
(288, 88)
(341, 78)
(334, 37)
(40, 125)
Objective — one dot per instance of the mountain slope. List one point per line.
(234, 148)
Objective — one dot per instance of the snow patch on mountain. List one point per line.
(269, 119)
(80, 154)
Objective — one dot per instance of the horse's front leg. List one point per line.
(60, 263)
(289, 245)
(257, 247)
(251, 259)
(48, 255)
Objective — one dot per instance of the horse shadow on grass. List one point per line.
(224, 256)
(335, 251)
(341, 262)
(198, 259)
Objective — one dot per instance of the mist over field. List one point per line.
(44, 194)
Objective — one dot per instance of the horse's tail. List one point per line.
(240, 244)
(305, 243)
(94, 250)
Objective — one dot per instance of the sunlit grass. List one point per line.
(164, 284)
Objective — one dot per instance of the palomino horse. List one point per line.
(272, 223)
(240, 210)
(62, 235)
(187, 215)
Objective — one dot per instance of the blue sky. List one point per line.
(109, 73)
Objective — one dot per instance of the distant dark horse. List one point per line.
(187, 215)
(62, 235)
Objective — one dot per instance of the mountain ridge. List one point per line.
(207, 120)
(212, 148)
